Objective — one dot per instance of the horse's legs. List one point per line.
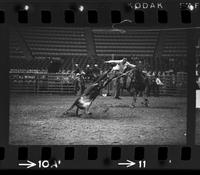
(72, 106)
(87, 109)
(134, 98)
(77, 109)
(66, 112)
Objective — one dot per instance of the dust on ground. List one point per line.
(38, 120)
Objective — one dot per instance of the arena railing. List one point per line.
(38, 83)
(41, 83)
(173, 85)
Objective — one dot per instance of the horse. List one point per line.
(137, 83)
(85, 100)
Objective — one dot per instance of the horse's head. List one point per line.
(138, 75)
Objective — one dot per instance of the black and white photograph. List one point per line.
(97, 86)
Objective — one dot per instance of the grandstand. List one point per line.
(17, 57)
(33, 48)
(44, 43)
(174, 50)
(84, 45)
(141, 44)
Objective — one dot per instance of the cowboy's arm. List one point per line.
(114, 61)
(131, 65)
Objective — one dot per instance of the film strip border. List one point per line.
(92, 16)
(100, 157)
(81, 13)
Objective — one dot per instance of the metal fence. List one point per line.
(41, 83)
(174, 85)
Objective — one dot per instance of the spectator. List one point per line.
(88, 72)
(82, 83)
(79, 84)
(76, 83)
(154, 87)
(96, 71)
(77, 69)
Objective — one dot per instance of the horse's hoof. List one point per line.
(65, 113)
(81, 115)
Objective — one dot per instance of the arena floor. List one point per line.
(37, 120)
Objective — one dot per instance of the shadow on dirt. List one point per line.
(93, 115)
(65, 116)
(144, 107)
(97, 116)
(120, 106)
(160, 107)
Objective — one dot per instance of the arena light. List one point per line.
(191, 7)
(81, 8)
(26, 7)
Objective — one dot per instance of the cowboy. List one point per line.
(141, 68)
(120, 67)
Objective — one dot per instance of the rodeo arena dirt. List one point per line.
(129, 88)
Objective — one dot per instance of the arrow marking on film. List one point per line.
(127, 164)
(29, 164)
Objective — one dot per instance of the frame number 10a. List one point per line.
(40, 164)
